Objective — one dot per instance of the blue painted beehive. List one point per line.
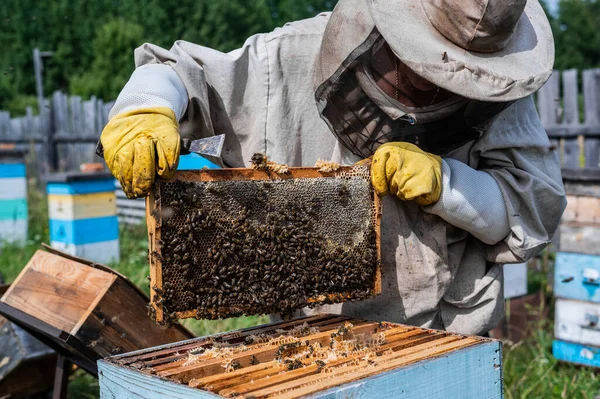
(83, 215)
(13, 197)
(324, 356)
(577, 272)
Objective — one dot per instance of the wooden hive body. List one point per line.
(83, 215)
(264, 237)
(84, 312)
(577, 272)
(13, 196)
(26, 364)
(404, 362)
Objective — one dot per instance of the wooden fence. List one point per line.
(62, 137)
(573, 119)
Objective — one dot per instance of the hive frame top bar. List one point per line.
(255, 174)
(232, 174)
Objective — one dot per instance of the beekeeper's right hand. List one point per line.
(140, 145)
(141, 140)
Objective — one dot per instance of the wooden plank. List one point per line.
(577, 321)
(578, 175)
(570, 98)
(570, 153)
(576, 353)
(580, 239)
(591, 96)
(582, 209)
(121, 382)
(61, 378)
(119, 323)
(41, 292)
(153, 221)
(548, 101)
(592, 152)
(233, 336)
(573, 277)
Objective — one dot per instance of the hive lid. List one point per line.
(68, 177)
(58, 291)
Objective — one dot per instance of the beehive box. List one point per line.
(83, 215)
(81, 311)
(323, 356)
(577, 271)
(13, 197)
(241, 241)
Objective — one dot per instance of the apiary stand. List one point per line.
(13, 196)
(416, 363)
(83, 215)
(577, 272)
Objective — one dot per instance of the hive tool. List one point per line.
(209, 146)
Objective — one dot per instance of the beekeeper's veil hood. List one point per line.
(487, 50)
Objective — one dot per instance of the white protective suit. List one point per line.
(502, 194)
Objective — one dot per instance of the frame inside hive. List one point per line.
(338, 210)
(296, 358)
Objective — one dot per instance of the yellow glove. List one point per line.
(408, 172)
(140, 144)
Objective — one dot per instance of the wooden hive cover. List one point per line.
(84, 312)
(323, 356)
(229, 242)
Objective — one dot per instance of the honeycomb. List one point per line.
(231, 246)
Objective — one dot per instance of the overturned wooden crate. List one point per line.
(84, 311)
(229, 242)
(325, 356)
(26, 364)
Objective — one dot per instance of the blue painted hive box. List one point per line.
(13, 197)
(324, 356)
(83, 215)
(577, 272)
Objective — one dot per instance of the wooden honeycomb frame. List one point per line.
(154, 220)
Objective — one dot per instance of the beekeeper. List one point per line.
(438, 92)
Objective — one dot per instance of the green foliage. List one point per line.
(93, 41)
(19, 103)
(576, 34)
(112, 63)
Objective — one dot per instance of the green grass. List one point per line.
(530, 371)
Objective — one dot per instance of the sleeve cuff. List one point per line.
(153, 85)
(471, 200)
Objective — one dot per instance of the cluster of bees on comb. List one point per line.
(230, 249)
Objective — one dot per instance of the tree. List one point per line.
(576, 34)
(92, 41)
(112, 62)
